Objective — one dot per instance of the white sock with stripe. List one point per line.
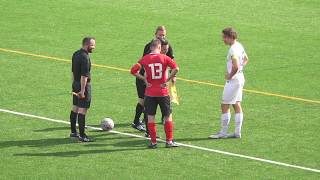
(238, 123)
(225, 120)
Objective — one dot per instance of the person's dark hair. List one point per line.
(155, 43)
(164, 42)
(87, 40)
(230, 32)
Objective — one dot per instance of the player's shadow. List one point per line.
(122, 142)
(51, 129)
(36, 142)
(78, 153)
(192, 139)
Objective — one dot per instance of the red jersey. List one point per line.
(155, 66)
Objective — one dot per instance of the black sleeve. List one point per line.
(84, 66)
(146, 49)
(170, 52)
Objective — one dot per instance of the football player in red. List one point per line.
(156, 79)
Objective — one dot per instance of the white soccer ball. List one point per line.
(107, 124)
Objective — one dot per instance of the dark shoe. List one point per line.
(138, 127)
(152, 146)
(74, 135)
(85, 138)
(171, 144)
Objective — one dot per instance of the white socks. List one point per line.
(238, 123)
(225, 120)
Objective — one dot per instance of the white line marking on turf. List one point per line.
(181, 144)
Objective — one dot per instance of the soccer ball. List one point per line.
(107, 124)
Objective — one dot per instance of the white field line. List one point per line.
(181, 144)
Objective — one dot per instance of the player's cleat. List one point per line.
(74, 135)
(218, 136)
(152, 146)
(85, 138)
(234, 135)
(171, 144)
(138, 127)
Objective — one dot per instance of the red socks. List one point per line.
(153, 132)
(168, 128)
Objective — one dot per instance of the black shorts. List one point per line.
(85, 102)
(151, 104)
(141, 88)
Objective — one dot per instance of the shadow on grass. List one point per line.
(78, 153)
(36, 142)
(52, 129)
(106, 142)
(193, 139)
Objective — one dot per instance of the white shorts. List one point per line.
(232, 92)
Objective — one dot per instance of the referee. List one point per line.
(160, 34)
(81, 88)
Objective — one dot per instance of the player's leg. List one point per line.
(136, 124)
(225, 118)
(151, 109)
(74, 111)
(224, 122)
(228, 98)
(165, 106)
(139, 110)
(73, 121)
(84, 105)
(238, 120)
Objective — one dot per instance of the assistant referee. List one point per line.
(81, 88)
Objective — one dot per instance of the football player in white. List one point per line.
(232, 93)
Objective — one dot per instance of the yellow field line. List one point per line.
(181, 79)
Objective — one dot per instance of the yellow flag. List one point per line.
(173, 93)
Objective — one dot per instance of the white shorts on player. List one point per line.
(232, 92)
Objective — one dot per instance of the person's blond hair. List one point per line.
(160, 28)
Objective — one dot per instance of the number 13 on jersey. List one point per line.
(156, 70)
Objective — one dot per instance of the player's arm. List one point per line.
(83, 82)
(171, 55)
(245, 60)
(174, 70)
(170, 52)
(135, 72)
(235, 67)
(173, 74)
(84, 71)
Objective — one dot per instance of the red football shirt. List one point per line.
(155, 66)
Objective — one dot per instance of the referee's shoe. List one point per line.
(138, 126)
(85, 138)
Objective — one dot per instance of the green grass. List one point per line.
(281, 38)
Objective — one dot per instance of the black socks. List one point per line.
(73, 121)
(82, 124)
(139, 110)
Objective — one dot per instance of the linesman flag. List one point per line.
(173, 93)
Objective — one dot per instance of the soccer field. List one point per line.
(280, 136)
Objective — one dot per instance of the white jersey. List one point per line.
(232, 92)
(238, 51)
